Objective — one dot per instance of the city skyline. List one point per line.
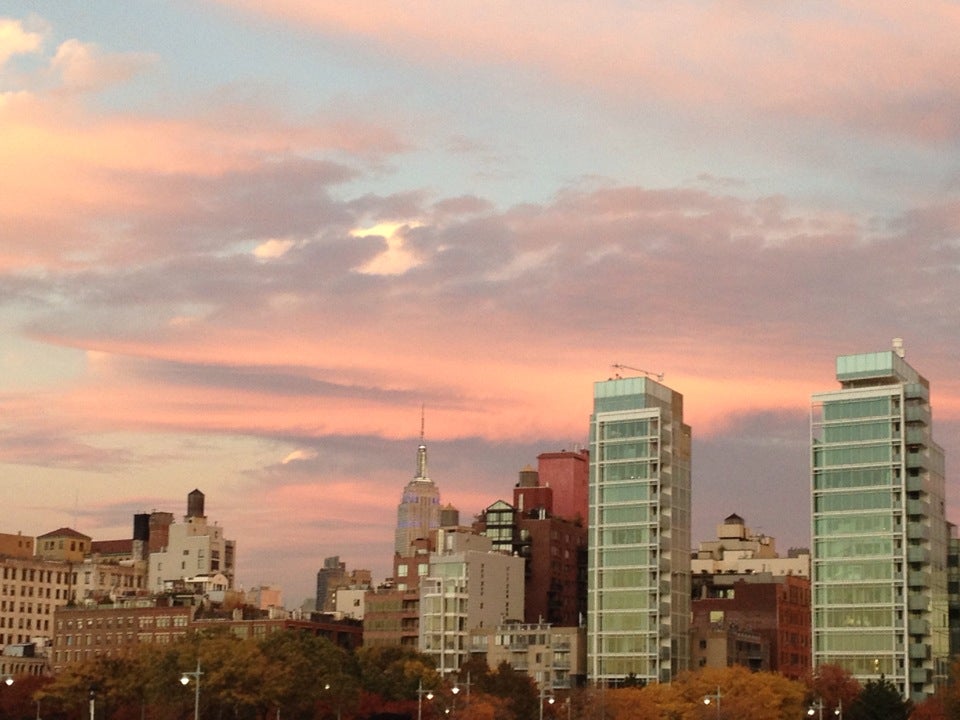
(242, 244)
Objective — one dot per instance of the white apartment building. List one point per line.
(468, 586)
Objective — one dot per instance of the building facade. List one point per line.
(195, 548)
(468, 586)
(568, 473)
(555, 657)
(638, 611)
(878, 527)
(738, 550)
(775, 608)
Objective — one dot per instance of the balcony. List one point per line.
(918, 626)
(917, 413)
(917, 554)
(919, 460)
(918, 483)
(918, 507)
(917, 436)
(916, 391)
(917, 602)
(921, 675)
(917, 531)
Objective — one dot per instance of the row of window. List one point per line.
(35, 575)
(25, 608)
(22, 623)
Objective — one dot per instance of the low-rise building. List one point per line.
(555, 657)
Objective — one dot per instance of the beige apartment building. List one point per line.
(33, 586)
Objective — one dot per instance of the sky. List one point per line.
(243, 243)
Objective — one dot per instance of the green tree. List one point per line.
(879, 700)
(517, 690)
(299, 669)
(395, 672)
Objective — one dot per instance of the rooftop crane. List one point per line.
(618, 367)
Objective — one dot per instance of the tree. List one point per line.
(518, 691)
(395, 672)
(879, 700)
(834, 686)
(300, 667)
(930, 709)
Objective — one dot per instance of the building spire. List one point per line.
(422, 452)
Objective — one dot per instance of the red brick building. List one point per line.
(777, 608)
(567, 474)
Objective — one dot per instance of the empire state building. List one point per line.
(419, 511)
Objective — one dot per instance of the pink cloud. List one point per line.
(876, 67)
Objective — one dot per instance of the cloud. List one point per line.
(873, 67)
(83, 67)
(17, 40)
(297, 455)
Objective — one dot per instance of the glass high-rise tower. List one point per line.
(638, 607)
(879, 591)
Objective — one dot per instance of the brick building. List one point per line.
(774, 607)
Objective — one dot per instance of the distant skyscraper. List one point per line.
(418, 514)
(879, 533)
(638, 611)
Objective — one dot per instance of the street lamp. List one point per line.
(817, 709)
(456, 689)
(8, 680)
(550, 699)
(420, 693)
(707, 699)
(185, 679)
(326, 687)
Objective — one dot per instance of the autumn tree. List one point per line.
(833, 686)
(303, 671)
(930, 709)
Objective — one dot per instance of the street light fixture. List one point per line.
(549, 698)
(707, 699)
(420, 693)
(185, 680)
(326, 687)
(817, 709)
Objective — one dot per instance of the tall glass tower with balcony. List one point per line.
(638, 613)
(879, 532)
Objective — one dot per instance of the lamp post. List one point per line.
(543, 695)
(456, 690)
(185, 679)
(707, 699)
(816, 709)
(326, 687)
(420, 693)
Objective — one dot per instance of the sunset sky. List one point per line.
(242, 242)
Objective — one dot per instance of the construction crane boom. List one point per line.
(618, 367)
